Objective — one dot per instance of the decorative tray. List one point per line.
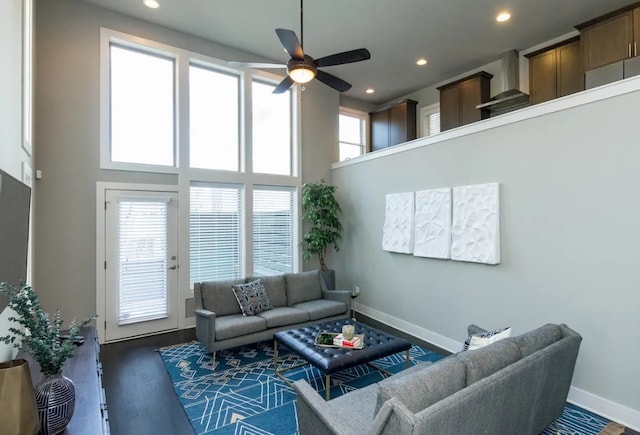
(326, 339)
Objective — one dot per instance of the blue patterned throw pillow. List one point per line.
(252, 297)
(476, 341)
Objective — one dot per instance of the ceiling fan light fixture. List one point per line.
(503, 16)
(301, 73)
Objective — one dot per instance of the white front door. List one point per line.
(141, 263)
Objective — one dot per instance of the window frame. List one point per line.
(295, 240)
(182, 175)
(243, 218)
(424, 112)
(107, 37)
(292, 131)
(363, 116)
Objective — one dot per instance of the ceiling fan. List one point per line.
(302, 68)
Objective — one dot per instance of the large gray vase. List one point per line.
(56, 400)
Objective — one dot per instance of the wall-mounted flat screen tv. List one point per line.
(15, 201)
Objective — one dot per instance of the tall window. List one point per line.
(352, 136)
(273, 226)
(215, 232)
(214, 119)
(430, 118)
(142, 107)
(147, 121)
(271, 130)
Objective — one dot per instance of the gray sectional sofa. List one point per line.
(517, 385)
(298, 299)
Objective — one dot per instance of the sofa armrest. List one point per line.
(338, 295)
(206, 327)
(393, 418)
(317, 416)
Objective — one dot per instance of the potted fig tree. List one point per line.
(321, 209)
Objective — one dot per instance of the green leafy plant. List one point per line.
(321, 209)
(43, 339)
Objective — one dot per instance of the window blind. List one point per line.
(142, 258)
(215, 233)
(273, 227)
(432, 126)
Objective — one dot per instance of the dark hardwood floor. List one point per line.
(140, 397)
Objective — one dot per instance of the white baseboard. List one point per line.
(411, 329)
(606, 408)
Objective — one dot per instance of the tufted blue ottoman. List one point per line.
(377, 344)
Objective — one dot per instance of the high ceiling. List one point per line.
(454, 35)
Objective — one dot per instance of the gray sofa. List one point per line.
(517, 385)
(298, 299)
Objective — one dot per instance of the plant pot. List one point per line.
(56, 400)
(18, 412)
(329, 278)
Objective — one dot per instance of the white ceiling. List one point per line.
(454, 35)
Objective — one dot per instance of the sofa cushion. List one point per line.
(321, 308)
(281, 316)
(235, 325)
(537, 339)
(217, 296)
(275, 287)
(303, 287)
(252, 297)
(424, 386)
(489, 359)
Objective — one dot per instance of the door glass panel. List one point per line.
(142, 260)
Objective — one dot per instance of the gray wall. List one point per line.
(569, 216)
(67, 110)
(11, 152)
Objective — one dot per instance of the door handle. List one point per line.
(172, 267)
(629, 49)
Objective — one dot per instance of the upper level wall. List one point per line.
(569, 213)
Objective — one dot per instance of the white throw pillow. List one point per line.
(476, 341)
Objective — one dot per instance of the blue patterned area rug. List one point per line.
(240, 393)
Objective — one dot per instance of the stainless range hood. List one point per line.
(511, 98)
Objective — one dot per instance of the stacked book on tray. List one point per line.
(336, 339)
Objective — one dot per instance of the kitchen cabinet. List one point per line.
(612, 72)
(458, 100)
(393, 125)
(555, 71)
(611, 38)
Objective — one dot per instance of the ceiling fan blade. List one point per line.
(345, 57)
(283, 86)
(257, 65)
(330, 80)
(291, 43)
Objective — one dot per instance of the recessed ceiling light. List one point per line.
(370, 91)
(153, 4)
(421, 61)
(503, 16)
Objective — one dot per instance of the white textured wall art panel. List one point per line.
(475, 233)
(433, 223)
(397, 234)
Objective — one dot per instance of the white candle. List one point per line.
(348, 331)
